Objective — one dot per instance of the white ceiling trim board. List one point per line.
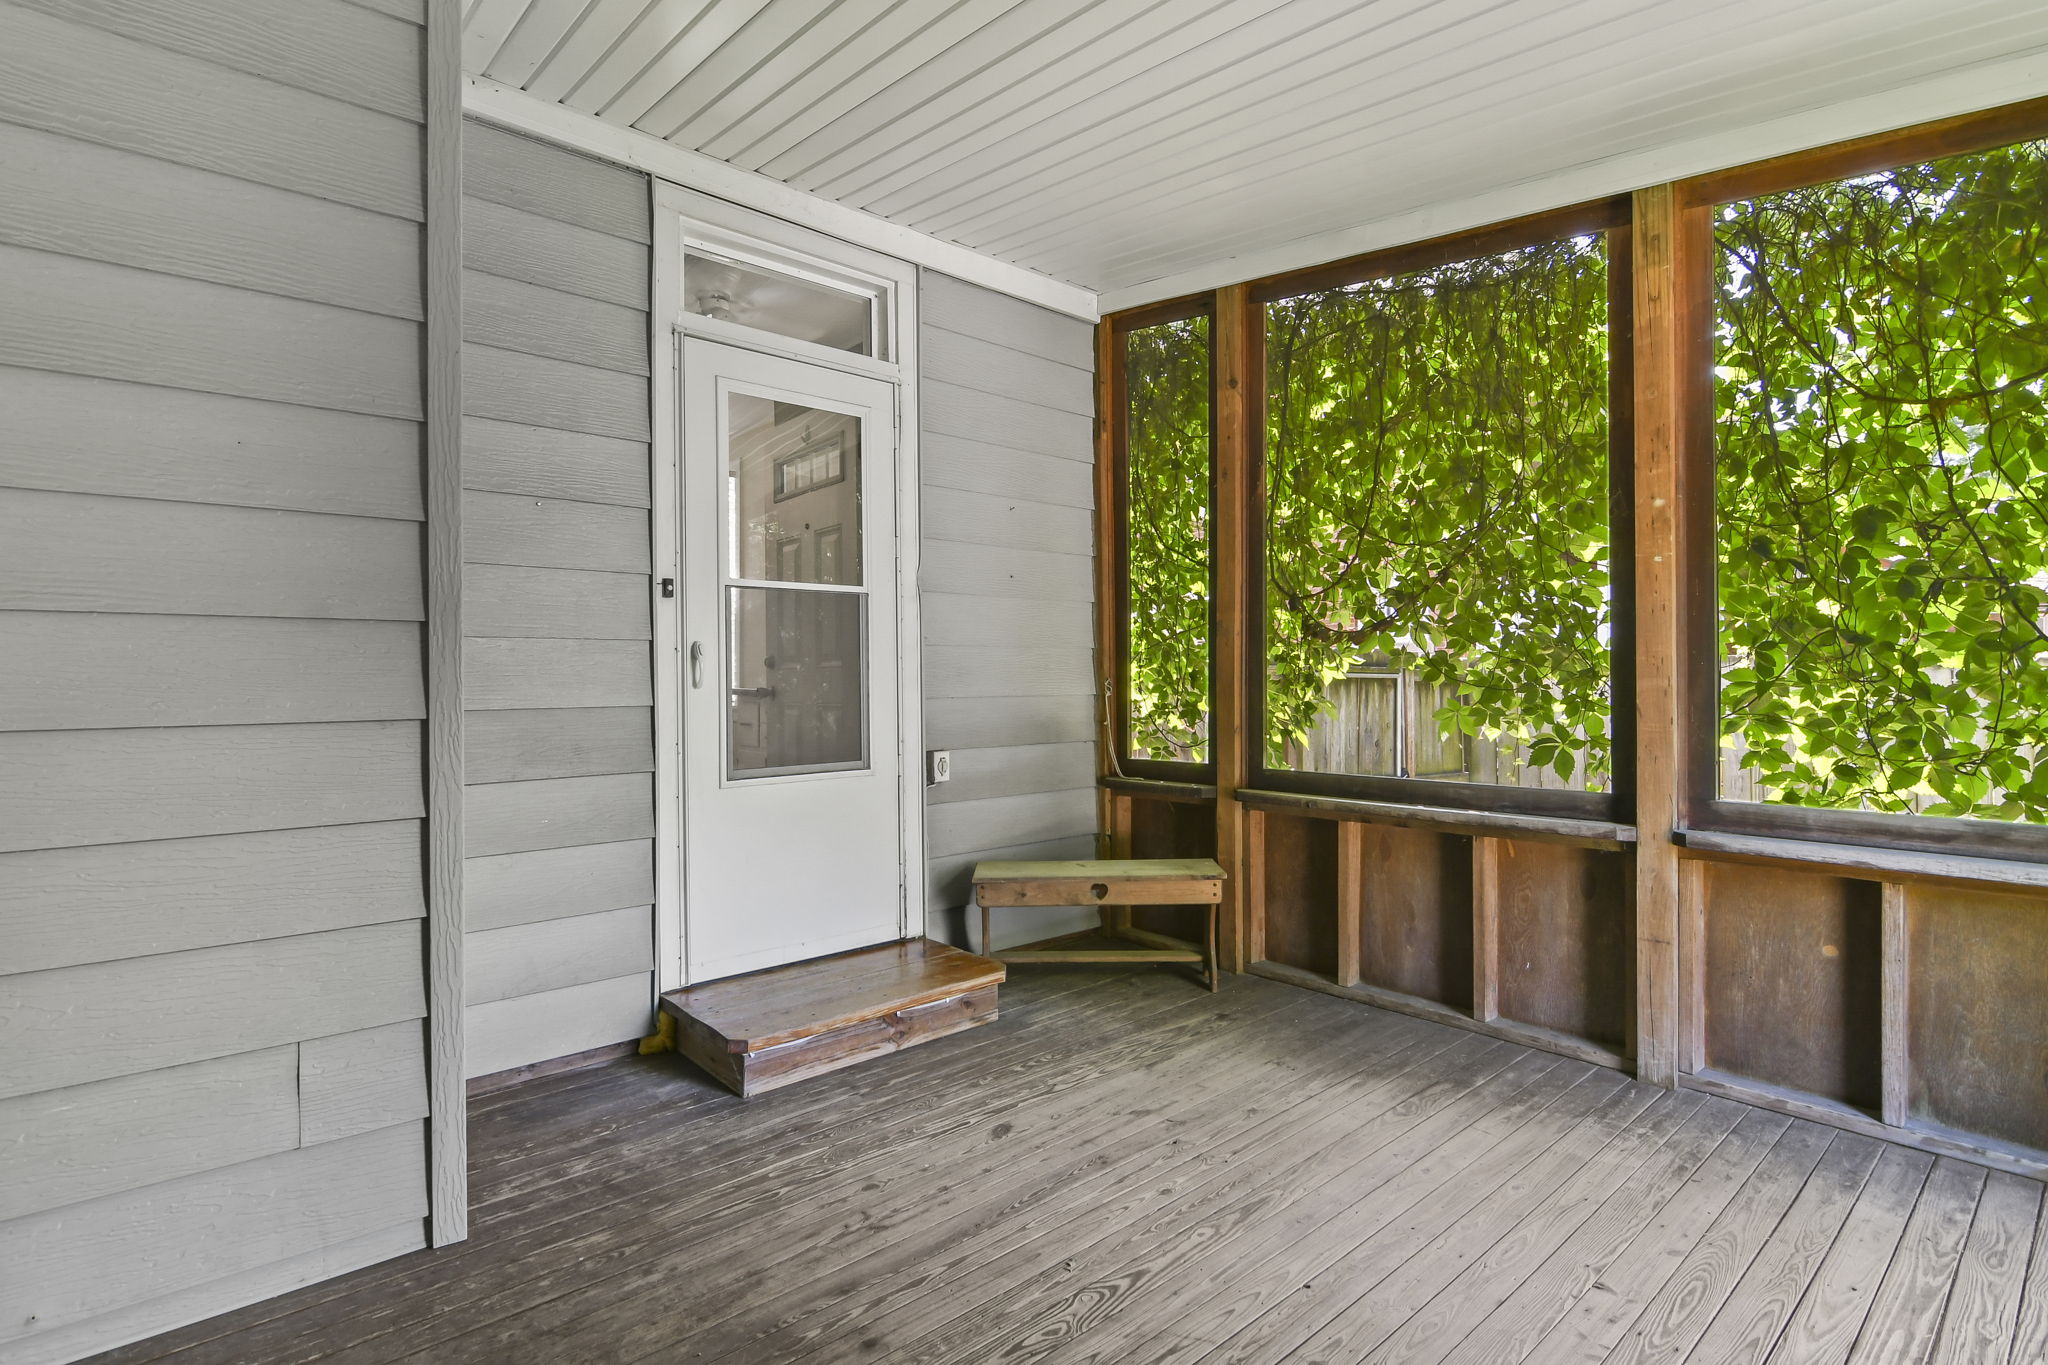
(525, 113)
(1980, 86)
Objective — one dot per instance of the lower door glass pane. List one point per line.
(796, 671)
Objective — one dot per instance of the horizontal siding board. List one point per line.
(1016, 523)
(1016, 770)
(995, 672)
(534, 320)
(79, 1024)
(1007, 422)
(83, 552)
(525, 746)
(412, 11)
(518, 1032)
(529, 675)
(360, 1081)
(517, 817)
(62, 907)
(509, 457)
(520, 888)
(981, 722)
(329, 47)
(79, 316)
(74, 670)
(524, 173)
(960, 621)
(969, 310)
(183, 1233)
(971, 825)
(67, 1146)
(990, 365)
(81, 199)
(977, 467)
(77, 434)
(993, 571)
(502, 601)
(547, 955)
(64, 789)
(67, 78)
(504, 528)
(541, 392)
(139, 1321)
(952, 877)
(520, 245)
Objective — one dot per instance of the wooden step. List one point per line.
(768, 1029)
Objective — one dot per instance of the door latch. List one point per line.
(668, 587)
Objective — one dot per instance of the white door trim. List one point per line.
(677, 209)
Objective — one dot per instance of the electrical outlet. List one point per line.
(938, 766)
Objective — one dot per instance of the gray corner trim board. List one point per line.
(448, 1126)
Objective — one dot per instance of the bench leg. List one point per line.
(1215, 983)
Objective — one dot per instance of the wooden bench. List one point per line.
(1195, 882)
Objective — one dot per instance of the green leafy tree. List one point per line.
(1437, 465)
(1882, 487)
(1166, 375)
(1437, 496)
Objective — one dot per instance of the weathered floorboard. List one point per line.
(1123, 1168)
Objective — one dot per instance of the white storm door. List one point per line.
(791, 822)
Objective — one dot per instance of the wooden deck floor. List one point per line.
(1127, 1169)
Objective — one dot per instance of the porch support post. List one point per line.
(1235, 361)
(1669, 239)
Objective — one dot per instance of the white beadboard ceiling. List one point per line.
(1139, 148)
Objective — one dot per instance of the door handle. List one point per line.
(696, 663)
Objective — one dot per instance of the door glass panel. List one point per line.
(795, 681)
(793, 489)
(787, 305)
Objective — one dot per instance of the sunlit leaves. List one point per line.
(1437, 456)
(1882, 510)
(1166, 376)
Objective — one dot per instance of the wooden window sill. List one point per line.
(1502, 824)
(1158, 789)
(1879, 864)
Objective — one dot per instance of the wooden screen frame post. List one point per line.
(1486, 856)
(1107, 808)
(1670, 242)
(1234, 497)
(1895, 1000)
